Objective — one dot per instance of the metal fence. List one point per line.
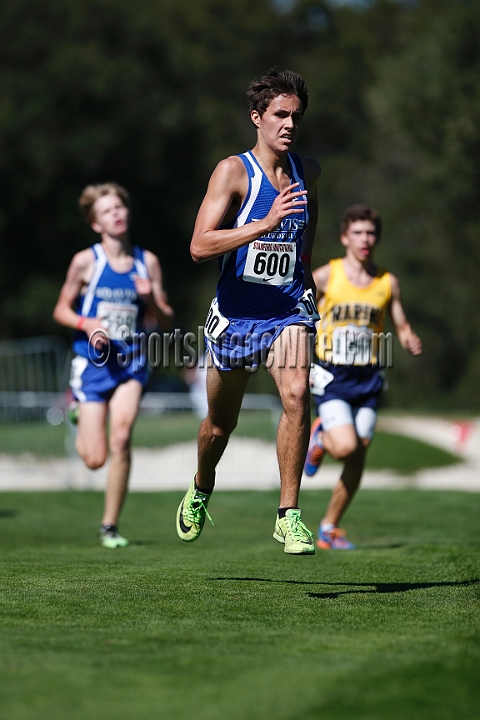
(34, 397)
(32, 372)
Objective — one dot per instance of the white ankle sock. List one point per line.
(326, 526)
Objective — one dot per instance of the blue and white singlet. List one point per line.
(261, 289)
(265, 278)
(112, 296)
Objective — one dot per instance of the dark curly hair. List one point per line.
(276, 82)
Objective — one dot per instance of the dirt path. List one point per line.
(251, 464)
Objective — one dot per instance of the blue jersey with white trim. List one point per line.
(264, 279)
(112, 296)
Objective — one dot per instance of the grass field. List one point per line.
(231, 627)
(395, 452)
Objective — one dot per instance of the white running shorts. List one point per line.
(339, 412)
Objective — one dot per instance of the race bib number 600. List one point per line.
(272, 263)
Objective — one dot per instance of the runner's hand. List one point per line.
(143, 286)
(96, 331)
(413, 344)
(288, 202)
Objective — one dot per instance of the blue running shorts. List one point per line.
(245, 343)
(91, 383)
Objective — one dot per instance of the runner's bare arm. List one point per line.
(226, 191)
(407, 338)
(78, 275)
(151, 291)
(321, 277)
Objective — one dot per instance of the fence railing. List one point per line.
(153, 401)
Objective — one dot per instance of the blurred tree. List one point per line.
(99, 89)
(396, 103)
(152, 95)
(339, 51)
(426, 170)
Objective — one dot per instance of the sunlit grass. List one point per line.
(231, 627)
(395, 452)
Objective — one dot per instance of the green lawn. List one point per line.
(41, 438)
(398, 453)
(231, 627)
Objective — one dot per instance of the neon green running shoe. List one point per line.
(111, 538)
(73, 412)
(291, 531)
(191, 514)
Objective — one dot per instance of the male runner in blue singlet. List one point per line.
(256, 219)
(107, 290)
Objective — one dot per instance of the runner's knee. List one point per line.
(297, 398)
(222, 430)
(343, 448)
(93, 457)
(119, 440)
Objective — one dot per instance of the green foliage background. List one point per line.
(152, 95)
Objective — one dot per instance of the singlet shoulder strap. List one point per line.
(337, 273)
(139, 261)
(297, 168)
(254, 173)
(99, 252)
(384, 277)
(249, 162)
(298, 176)
(100, 263)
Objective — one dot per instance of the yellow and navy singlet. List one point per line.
(352, 318)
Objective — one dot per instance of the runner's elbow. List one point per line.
(57, 314)
(197, 251)
(196, 257)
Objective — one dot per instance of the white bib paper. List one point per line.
(352, 345)
(307, 306)
(216, 323)
(117, 315)
(319, 378)
(271, 263)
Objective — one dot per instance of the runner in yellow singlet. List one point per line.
(353, 296)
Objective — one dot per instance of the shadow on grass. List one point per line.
(386, 546)
(8, 514)
(373, 586)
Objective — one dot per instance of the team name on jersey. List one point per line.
(118, 295)
(356, 311)
(287, 229)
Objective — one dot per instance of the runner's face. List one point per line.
(280, 122)
(360, 239)
(111, 216)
